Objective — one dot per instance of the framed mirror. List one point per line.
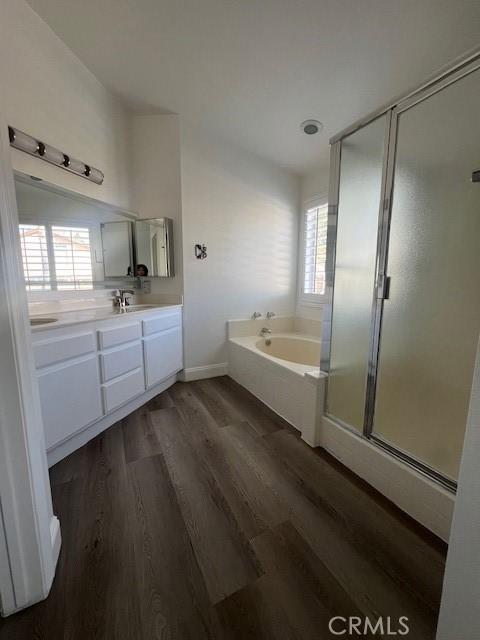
(117, 248)
(61, 238)
(154, 248)
(71, 242)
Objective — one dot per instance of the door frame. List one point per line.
(29, 532)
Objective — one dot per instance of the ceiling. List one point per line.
(253, 70)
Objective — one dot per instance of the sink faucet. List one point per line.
(121, 299)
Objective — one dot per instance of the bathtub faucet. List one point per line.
(265, 331)
(270, 314)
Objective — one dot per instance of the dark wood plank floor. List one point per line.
(203, 515)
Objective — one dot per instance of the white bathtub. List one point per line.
(284, 375)
(293, 349)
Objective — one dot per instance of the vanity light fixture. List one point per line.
(32, 146)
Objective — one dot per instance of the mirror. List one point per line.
(154, 248)
(117, 248)
(70, 242)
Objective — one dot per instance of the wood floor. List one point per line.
(203, 515)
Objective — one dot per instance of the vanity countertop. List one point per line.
(43, 322)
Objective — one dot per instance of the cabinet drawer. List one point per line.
(119, 335)
(163, 355)
(161, 323)
(121, 360)
(62, 348)
(121, 390)
(70, 399)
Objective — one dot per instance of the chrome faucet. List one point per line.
(121, 299)
(265, 331)
(256, 314)
(270, 314)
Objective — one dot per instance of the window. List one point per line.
(56, 257)
(72, 257)
(315, 251)
(36, 268)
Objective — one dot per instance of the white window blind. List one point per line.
(72, 256)
(315, 240)
(56, 257)
(36, 268)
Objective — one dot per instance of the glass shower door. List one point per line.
(431, 321)
(359, 197)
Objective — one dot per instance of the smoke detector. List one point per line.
(310, 127)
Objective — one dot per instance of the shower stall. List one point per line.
(404, 273)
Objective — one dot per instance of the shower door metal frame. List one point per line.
(455, 72)
(334, 194)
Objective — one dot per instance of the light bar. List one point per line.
(34, 147)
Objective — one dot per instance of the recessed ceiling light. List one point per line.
(310, 127)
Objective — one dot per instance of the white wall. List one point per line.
(459, 611)
(156, 182)
(313, 184)
(246, 211)
(49, 93)
(31, 535)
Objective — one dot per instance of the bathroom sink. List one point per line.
(36, 321)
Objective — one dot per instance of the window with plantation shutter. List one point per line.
(72, 256)
(35, 259)
(56, 257)
(315, 249)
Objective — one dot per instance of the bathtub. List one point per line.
(292, 349)
(284, 374)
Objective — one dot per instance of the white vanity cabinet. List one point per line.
(70, 398)
(162, 347)
(121, 363)
(94, 373)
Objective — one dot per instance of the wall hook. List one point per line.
(200, 251)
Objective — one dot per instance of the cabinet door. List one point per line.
(70, 398)
(163, 355)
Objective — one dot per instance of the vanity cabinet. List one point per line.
(70, 398)
(162, 346)
(88, 371)
(163, 355)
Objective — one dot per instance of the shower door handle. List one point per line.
(383, 287)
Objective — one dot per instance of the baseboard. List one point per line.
(65, 448)
(200, 373)
(416, 494)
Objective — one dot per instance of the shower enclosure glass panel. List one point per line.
(431, 320)
(358, 209)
